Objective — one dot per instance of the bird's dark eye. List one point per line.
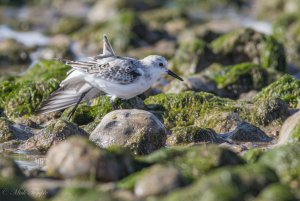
(161, 64)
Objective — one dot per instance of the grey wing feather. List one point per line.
(114, 69)
(67, 96)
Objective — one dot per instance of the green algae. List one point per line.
(286, 88)
(276, 192)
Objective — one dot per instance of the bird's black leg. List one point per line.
(76, 105)
(114, 105)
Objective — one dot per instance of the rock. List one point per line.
(59, 47)
(290, 130)
(209, 111)
(11, 190)
(285, 161)
(286, 30)
(272, 9)
(158, 180)
(41, 188)
(286, 88)
(245, 132)
(138, 130)
(191, 57)
(227, 183)
(9, 169)
(6, 131)
(276, 192)
(78, 193)
(247, 45)
(194, 162)
(241, 78)
(253, 155)
(12, 53)
(192, 134)
(195, 83)
(81, 159)
(54, 133)
(67, 25)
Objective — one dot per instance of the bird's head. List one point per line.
(159, 65)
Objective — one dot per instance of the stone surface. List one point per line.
(138, 130)
(192, 134)
(55, 132)
(158, 180)
(290, 130)
(285, 161)
(246, 132)
(9, 169)
(81, 159)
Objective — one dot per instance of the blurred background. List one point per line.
(31, 30)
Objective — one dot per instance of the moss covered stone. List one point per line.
(253, 155)
(286, 88)
(285, 161)
(78, 193)
(6, 132)
(194, 161)
(286, 29)
(23, 95)
(46, 70)
(209, 111)
(192, 134)
(276, 192)
(241, 78)
(190, 57)
(247, 45)
(228, 183)
(67, 25)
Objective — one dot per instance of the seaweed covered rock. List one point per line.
(78, 193)
(273, 9)
(67, 25)
(247, 45)
(138, 130)
(95, 163)
(241, 78)
(158, 180)
(286, 88)
(228, 183)
(13, 53)
(9, 169)
(290, 130)
(54, 133)
(126, 30)
(12, 191)
(286, 29)
(23, 95)
(245, 132)
(191, 57)
(192, 134)
(45, 70)
(194, 161)
(276, 192)
(6, 131)
(209, 111)
(285, 161)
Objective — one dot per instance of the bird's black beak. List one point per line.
(174, 75)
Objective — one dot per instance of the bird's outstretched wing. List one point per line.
(113, 69)
(69, 95)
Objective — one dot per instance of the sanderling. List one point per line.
(107, 73)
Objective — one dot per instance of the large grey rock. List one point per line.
(290, 131)
(138, 130)
(158, 180)
(78, 158)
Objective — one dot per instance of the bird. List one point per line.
(105, 74)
